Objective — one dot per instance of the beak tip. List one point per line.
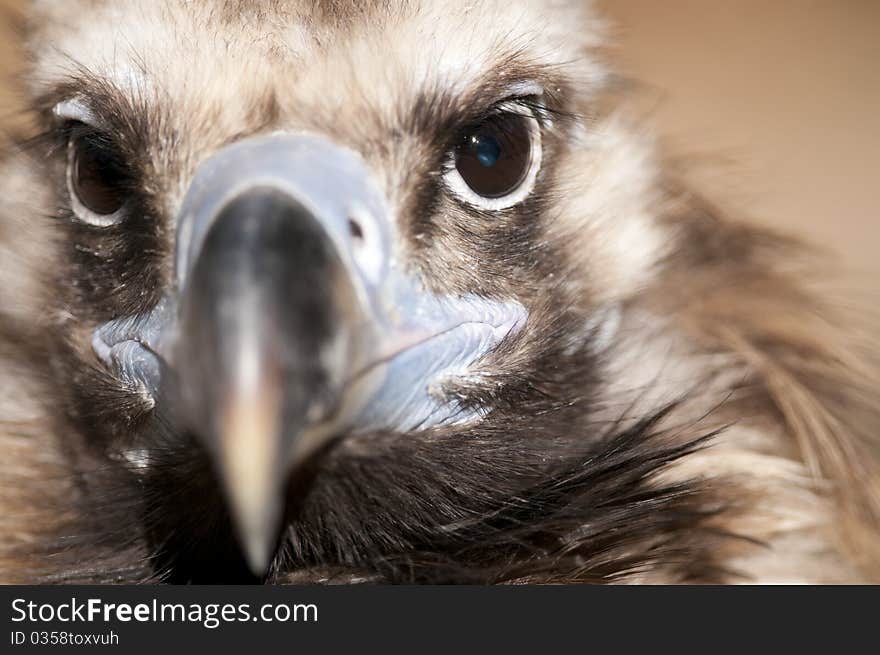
(256, 528)
(248, 463)
(258, 553)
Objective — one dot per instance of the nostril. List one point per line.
(366, 243)
(357, 232)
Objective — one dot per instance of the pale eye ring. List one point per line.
(96, 186)
(494, 164)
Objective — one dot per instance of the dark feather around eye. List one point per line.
(532, 105)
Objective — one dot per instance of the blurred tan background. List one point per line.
(777, 101)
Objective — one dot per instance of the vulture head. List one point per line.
(390, 291)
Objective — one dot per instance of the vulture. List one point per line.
(380, 291)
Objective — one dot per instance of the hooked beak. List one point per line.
(269, 326)
(275, 314)
(290, 322)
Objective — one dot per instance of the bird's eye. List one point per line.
(96, 182)
(495, 162)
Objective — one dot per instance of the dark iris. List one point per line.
(96, 178)
(487, 149)
(494, 157)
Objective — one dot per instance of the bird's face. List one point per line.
(318, 297)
